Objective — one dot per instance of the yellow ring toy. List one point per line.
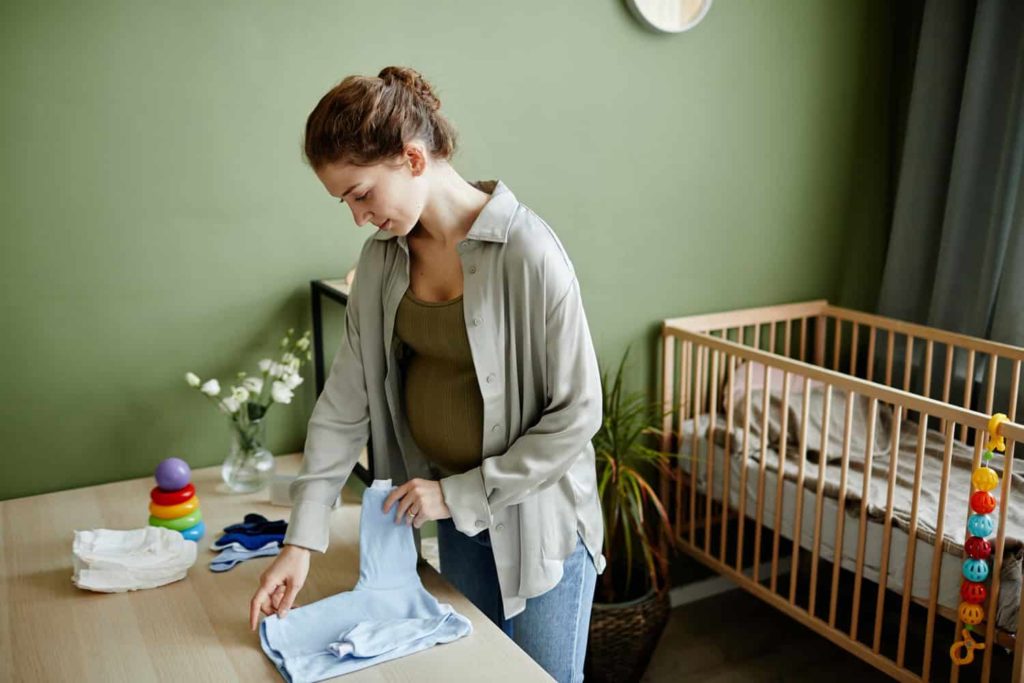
(174, 511)
(967, 646)
(179, 524)
(996, 443)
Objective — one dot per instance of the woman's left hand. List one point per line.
(419, 501)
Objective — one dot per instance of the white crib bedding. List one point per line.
(952, 555)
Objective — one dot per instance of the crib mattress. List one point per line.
(951, 557)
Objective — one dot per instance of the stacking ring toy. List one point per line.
(978, 548)
(194, 533)
(974, 593)
(971, 614)
(191, 519)
(983, 502)
(162, 497)
(174, 511)
(981, 525)
(975, 570)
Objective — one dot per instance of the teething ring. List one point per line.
(996, 442)
(968, 645)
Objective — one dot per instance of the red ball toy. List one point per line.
(983, 502)
(978, 548)
(973, 593)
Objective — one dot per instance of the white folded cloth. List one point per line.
(114, 561)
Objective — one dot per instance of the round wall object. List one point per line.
(669, 16)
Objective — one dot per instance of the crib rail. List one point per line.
(748, 537)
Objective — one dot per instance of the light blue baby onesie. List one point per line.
(387, 615)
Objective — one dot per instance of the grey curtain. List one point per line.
(955, 257)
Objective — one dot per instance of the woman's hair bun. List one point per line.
(411, 79)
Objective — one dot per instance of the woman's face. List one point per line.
(390, 195)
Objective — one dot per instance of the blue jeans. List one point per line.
(554, 626)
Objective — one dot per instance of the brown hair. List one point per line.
(364, 120)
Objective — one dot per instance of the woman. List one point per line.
(488, 418)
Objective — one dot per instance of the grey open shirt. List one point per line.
(541, 388)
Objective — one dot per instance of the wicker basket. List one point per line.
(623, 636)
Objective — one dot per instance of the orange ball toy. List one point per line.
(971, 614)
(983, 502)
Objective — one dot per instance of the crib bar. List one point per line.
(771, 337)
(741, 517)
(933, 592)
(668, 378)
(883, 572)
(908, 362)
(968, 386)
(780, 479)
(1000, 541)
(928, 352)
(908, 574)
(871, 352)
(695, 446)
(822, 464)
(684, 407)
(711, 453)
(837, 343)
(853, 350)
(798, 520)
(819, 341)
(862, 532)
(993, 361)
(890, 339)
(763, 438)
(787, 339)
(803, 338)
(948, 372)
(727, 459)
(1014, 390)
(841, 505)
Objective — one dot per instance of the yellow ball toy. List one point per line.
(985, 479)
(971, 614)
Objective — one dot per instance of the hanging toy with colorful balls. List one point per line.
(981, 524)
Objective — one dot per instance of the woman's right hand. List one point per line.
(280, 583)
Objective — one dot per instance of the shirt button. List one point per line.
(490, 378)
(499, 527)
(496, 427)
(480, 524)
(476, 322)
(472, 269)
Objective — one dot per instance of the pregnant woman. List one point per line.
(467, 357)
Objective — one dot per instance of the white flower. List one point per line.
(240, 394)
(265, 364)
(294, 364)
(278, 370)
(253, 384)
(292, 380)
(302, 344)
(287, 358)
(281, 393)
(192, 379)
(229, 405)
(211, 388)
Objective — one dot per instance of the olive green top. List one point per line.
(441, 397)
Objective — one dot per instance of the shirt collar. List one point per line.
(493, 223)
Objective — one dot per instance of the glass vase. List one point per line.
(249, 464)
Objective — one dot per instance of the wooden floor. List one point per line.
(736, 637)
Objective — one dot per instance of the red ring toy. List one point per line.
(978, 548)
(972, 592)
(983, 502)
(162, 497)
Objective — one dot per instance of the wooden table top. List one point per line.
(196, 629)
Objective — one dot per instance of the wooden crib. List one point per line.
(755, 401)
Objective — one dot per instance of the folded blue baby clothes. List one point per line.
(389, 614)
(242, 549)
(255, 523)
(230, 557)
(247, 541)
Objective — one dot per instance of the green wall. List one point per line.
(157, 217)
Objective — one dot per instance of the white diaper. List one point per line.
(114, 561)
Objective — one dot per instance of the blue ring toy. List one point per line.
(194, 533)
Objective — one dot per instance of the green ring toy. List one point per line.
(179, 524)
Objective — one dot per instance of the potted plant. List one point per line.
(631, 603)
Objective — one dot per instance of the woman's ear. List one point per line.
(416, 157)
